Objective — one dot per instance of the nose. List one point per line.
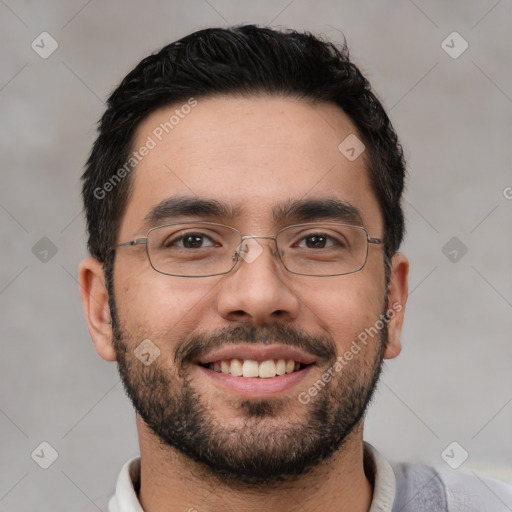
(258, 290)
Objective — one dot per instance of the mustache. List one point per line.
(197, 345)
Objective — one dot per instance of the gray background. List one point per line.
(452, 381)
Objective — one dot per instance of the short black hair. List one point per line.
(243, 60)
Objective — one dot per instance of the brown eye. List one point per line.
(190, 241)
(316, 241)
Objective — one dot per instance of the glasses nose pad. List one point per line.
(248, 250)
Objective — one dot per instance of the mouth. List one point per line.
(256, 371)
(251, 369)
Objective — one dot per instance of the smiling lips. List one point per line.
(251, 368)
(256, 361)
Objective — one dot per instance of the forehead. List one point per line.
(255, 155)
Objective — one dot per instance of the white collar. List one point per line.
(126, 500)
(384, 485)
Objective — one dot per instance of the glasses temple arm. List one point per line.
(137, 241)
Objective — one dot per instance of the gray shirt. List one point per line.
(396, 488)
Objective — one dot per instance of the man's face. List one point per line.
(255, 155)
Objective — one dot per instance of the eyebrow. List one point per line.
(190, 207)
(298, 210)
(305, 210)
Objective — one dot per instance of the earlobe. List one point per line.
(95, 301)
(397, 298)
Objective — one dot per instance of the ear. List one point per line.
(97, 312)
(397, 297)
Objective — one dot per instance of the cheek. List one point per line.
(345, 306)
(161, 308)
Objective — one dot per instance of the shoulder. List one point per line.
(436, 489)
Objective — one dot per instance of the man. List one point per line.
(243, 202)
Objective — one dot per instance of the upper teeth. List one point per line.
(251, 368)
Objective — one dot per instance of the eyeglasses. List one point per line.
(203, 249)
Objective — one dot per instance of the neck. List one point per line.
(171, 482)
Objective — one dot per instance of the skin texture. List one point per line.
(252, 153)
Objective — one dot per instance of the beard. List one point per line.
(273, 439)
